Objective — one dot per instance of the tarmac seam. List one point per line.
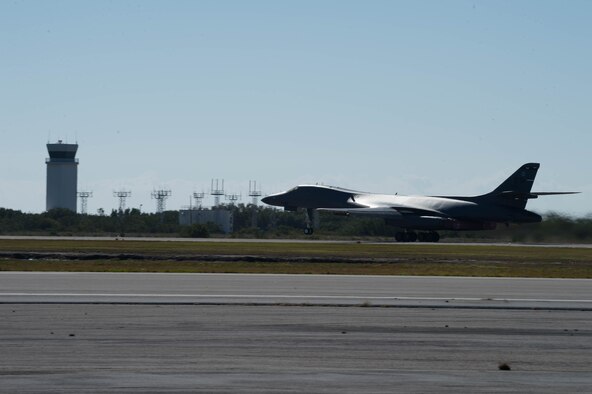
(284, 304)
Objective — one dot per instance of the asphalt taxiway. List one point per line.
(82, 332)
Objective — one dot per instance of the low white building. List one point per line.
(220, 217)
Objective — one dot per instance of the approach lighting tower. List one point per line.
(122, 195)
(217, 190)
(84, 196)
(161, 196)
(62, 176)
(254, 192)
(198, 197)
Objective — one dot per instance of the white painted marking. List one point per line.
(288, 297)
(304, 276)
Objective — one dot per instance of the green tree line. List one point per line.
(270, 223)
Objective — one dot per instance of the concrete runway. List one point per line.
(264, 289)
(248, 333)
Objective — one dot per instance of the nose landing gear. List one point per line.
(309, 217)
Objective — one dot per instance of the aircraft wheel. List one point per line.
(400, 236)
(308, 231)
(411, 236)
(431, 236)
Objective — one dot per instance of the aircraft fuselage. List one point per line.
(505, 204)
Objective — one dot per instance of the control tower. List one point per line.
(62, 176)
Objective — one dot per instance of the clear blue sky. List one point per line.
(414, 97)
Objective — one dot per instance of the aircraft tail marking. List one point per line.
(515, 191)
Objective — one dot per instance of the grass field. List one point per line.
(303, 258)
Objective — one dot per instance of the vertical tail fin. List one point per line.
(515, 191)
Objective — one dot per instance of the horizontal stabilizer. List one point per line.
(526, 196)
(552, 193)
(515, 191)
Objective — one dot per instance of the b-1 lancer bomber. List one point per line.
(426, 214)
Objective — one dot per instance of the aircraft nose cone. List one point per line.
(273, 200)
(266, 200)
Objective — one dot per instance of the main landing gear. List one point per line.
(411, 236)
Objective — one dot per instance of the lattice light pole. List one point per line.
(217, 191)
(122, 195)
(254, 192)
(161, 196)
(233, 198)
(198, 197)
(84, 196)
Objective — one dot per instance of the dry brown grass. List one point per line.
(400, 259)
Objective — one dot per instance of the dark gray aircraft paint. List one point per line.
(505, 204)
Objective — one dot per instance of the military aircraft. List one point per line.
(427, 214)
